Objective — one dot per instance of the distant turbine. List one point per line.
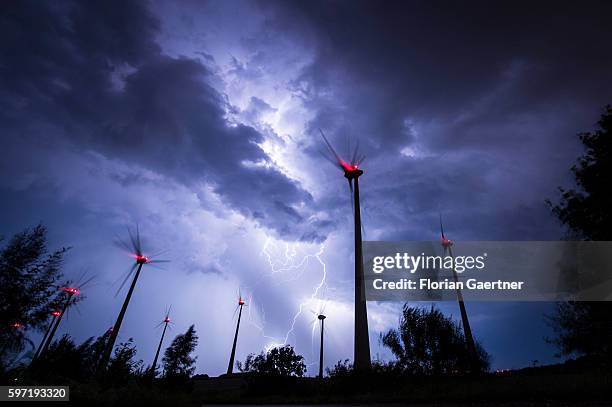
(166, 321)
(230, 366)
(55, 314)
(70, 293)
(135, 250)
(467, 330)
(321, 318)
(352, 172)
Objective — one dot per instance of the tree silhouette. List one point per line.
(586, 211)
(280, 361)
(66, 360)
(178, 362)
(585, 328)
(341, 368)
(29, 287)
(427, 342)
(122, 365)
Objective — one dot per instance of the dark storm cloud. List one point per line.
(93, 74)
(490, 93)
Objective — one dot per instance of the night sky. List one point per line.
(199, 121)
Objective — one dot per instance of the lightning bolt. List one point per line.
(292, 267)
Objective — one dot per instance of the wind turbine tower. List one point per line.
(230, 366)
(321, 318)
(166, 321)
(467, 330)
(135, 249)
(352, 172)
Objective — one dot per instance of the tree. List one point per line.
(427, 342)
(122, 365)
(582, 328)
(341, 368)
(65, 360)
(178, 362)
(29, 287)
(585, 328)
(280, 361)
(586, 211)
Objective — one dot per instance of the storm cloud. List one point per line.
(93, 75)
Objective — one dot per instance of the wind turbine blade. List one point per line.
(331, 149)
(122, 244)
(441, 228)
(135, 245)
(126, 278)
(159, 253)
(348, 147)
(354, 157)
(79, 278)
(138, 239)
(86, 282)
(157, 266)
(158, 261)
(326, 156)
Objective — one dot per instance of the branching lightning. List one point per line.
(291, 267)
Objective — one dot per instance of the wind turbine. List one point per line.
(134, 247)
(166, 321)
(55, 313)
(352, 172)
(321, 318)
(230, 366)
(319, 315)
(70, 293)
(467, 330)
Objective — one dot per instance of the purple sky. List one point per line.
(200, 122)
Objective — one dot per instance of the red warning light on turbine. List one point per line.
(445, 242)
(240, 301)
(71, 290)
(348, 167)
(141, 259)
(56, 313)
(16, 325)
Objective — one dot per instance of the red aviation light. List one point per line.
(240, 301)
(446, 242)
(348, 167)
(141, 259)
(71, 290)
(56, 313)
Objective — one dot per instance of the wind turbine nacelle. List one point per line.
(352, 172)
(321, 317)
(142, 259)
(446, 242)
